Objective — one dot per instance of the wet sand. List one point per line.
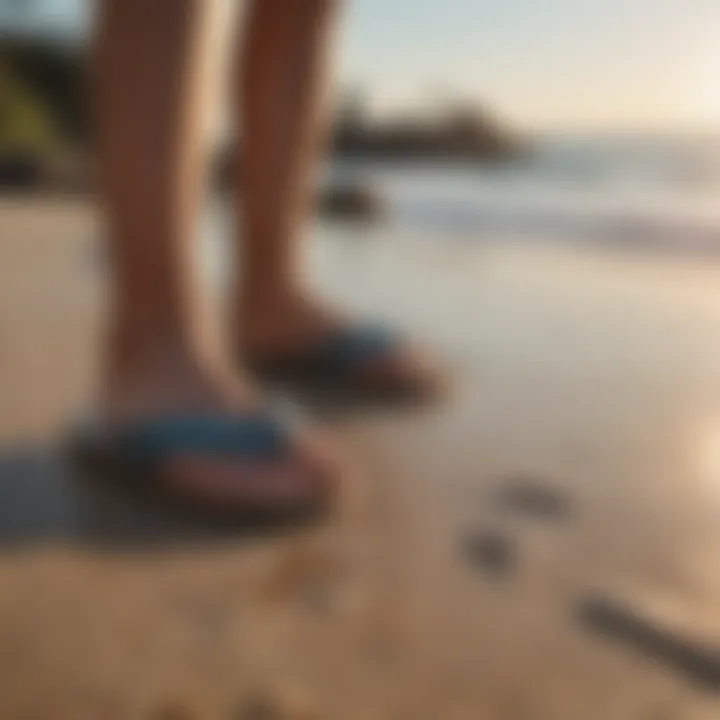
(576, 466)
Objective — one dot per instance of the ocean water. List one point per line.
(659, 191)
(639, 194)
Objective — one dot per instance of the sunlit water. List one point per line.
(637, 194)
(627, 189)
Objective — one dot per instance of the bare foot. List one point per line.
(295, 324)
(165, 381)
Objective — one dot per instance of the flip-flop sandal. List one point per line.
(131, 459)
(333, 368)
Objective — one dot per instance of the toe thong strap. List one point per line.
(255, 437)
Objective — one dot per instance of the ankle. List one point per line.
(168, 375)
(138, 347)
(133, 344)
(282, 320)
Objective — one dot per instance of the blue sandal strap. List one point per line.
(255, 437)
(350, 347)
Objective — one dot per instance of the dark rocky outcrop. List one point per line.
(350, 202)
(459, 133)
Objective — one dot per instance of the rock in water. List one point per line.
(351, 202)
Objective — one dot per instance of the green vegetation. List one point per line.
(26, 125)
(42, 107)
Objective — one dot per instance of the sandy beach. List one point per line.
(542, 547)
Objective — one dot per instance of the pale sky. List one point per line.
(541, 64)
(545, 63)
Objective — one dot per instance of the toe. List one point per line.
(406, 370)
(308, 473)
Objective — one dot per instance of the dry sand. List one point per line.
(578, 459)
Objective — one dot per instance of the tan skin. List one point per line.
(164, 354)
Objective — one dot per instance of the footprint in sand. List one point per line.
(534, 498)
(493, 553)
